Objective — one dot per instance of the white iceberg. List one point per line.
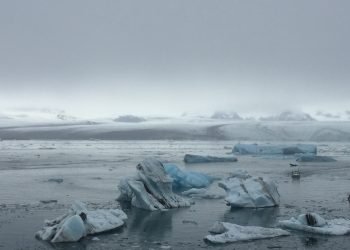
(249, 192)
(314, 223)
(225, 232)
(315, 158)
(125, 193)
(151, 189)
(79, 222)
(271, 149)
(189, 158)
(183, 179)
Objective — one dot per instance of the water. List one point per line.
(91, 169)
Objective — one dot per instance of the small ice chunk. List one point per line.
(314, 223)
(183, 179)
(79, 222)
(165, 247)
(48, 201)
(227, 232)
(57, 180)
(189, 158)
(271, 149)
(250, 192)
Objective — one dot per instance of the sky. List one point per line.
(108, 57)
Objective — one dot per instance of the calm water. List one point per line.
(91, 169)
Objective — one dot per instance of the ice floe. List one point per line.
(189, 158)
(250, 192)
(315, 158)
(79, 222)
(151, 189)
(314, 223)
(271, 149)
(183, 179)
(225, 232)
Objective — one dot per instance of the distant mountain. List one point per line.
(130, 118)
(289, 116)
(226, 116)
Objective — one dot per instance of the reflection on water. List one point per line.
(264, 217)
(149, 225)
(309, 241)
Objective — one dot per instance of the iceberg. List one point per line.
(189, 158)
(151, 189)
(315, 158)
(249, 192)
(270, 149)
(314, 223)
(79, 222)
(203, 193)
(183, 179)
(225, 232)
(125, 192)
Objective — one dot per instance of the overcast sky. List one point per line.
(99, 58)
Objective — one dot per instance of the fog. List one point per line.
(100, 58)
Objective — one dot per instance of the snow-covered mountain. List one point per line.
(289, 116)
(226, 116)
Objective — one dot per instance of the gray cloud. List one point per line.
(160, 57)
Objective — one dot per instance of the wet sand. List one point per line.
(90, 172)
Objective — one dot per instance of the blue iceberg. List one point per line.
(183, 179)
(274, 149)
(315, 158)
(189, 158)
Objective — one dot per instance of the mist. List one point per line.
(168, 57)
